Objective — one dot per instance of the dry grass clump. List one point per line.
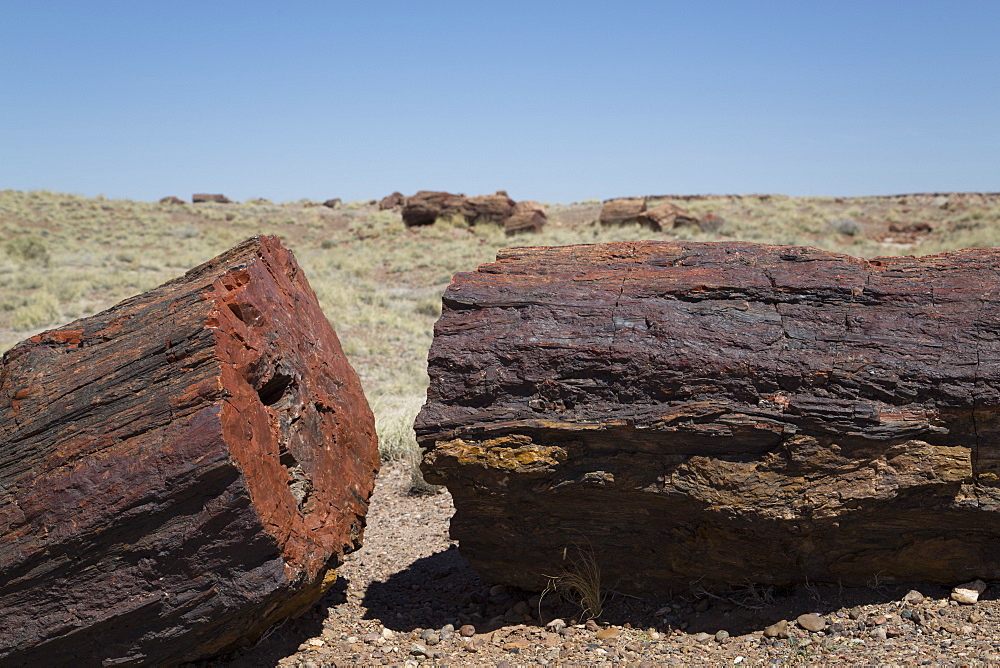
(380, 283)
(579, 581)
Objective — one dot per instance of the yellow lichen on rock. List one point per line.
(514, 452)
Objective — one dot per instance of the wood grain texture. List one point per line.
(180, 472)
(720, 413)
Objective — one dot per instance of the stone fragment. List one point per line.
(777, 630)
(189, 466)
(606, 633)
(467, 631)
(968, 593)
(913, 597)
(613, 396)
(811, 622)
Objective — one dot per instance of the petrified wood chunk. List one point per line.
(622, 211)
(180, 472)
(428, 205)
(720, 413)
(201, 198)
(527, 217)
(494, 208)
(665, 216)
(393, 201)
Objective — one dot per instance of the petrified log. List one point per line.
(526, 217)
(428, 205)
(720, 413)
(494, 208)
(622, 211)
(394, 201)
(180, 472)
(665, 216)
(201, 198)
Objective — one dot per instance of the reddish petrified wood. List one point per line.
(622, 211)
(527, 217)
(720, 414)
(180, 472)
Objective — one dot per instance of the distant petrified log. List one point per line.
(180, 472)
(333, 203)
(171, 200)
(720, 414)
(622, 211)
(666, 216)
(494, 208)
(527, 217)
(428, 205)
(201, 198)
(393, 201)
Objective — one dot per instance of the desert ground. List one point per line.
(408, 597)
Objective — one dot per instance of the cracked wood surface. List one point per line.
(180, 472)
(725, 413)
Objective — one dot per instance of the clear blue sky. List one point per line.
(555, 101)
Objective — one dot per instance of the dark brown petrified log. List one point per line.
(720, 414)
(180, 472)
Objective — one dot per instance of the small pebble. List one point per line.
(913, 597)
(721, 636)
(703, 637)
(591, 625)
(878, 633)
(556, 625)
(467, 631)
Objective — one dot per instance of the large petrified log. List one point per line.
(179, 472)
(720, 413)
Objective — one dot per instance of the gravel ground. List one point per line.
(409, 598)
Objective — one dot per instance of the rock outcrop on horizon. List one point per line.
(720, 414)
(180, 472)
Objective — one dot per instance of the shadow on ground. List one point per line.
(432, 592)
(283, 639)
(444, 589)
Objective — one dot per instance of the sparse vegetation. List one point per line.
(63, 257)
(579, 581)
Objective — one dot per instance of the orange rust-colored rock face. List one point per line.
(720, 413)
(180, 472)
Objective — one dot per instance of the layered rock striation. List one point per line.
(720, 414)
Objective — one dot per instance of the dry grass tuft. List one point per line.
(579, 581)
